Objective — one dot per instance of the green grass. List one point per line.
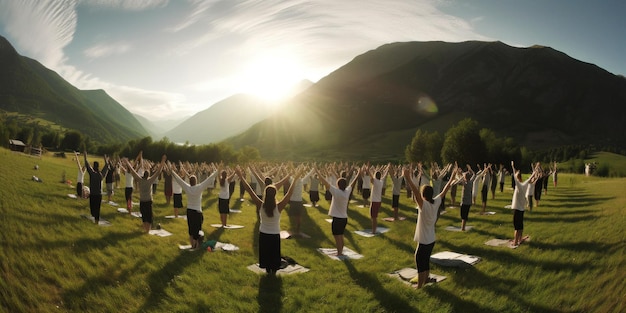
(52, 260)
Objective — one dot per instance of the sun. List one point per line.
(271, 77)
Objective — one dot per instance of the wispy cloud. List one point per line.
(106, 49)
(131, 5)
(40, 29)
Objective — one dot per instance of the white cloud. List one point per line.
(40, 29)
(131, 5)
(106, 49)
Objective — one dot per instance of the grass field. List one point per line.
(52, 260)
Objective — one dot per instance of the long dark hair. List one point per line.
(427, 193)
(269, 200)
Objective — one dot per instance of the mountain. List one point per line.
(228, 117)
(157, 129)
(223, 119)
(28, 87)
(539, 96)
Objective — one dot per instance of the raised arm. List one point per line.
(249, 189)
(80, 167)
(283, 202)
(417, 196)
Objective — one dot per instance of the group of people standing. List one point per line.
(339, 181)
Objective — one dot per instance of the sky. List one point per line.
(171, 59)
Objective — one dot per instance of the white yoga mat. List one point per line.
(290, 269)
(111, 203)
(457, 228)
(448, 258)
(330, 220)
(234, 211)
(308, 205)
(391, 219)
(218, 246)
(505, 242)
(508, 206)
(174, 216)
(284, 234)
(347, 253)
(228, 226)
(489, 213)
(136, 214)
(407, 274)
(73, 196)
(101, 222)
(122, 210)
(159, 232)
(368, 232)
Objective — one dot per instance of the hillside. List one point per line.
(539, 96)
(223, 119)
(27, 87)
(227, 118)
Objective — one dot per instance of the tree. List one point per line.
(425, 147)
(72, 141)
(463, 144)
(248, 154)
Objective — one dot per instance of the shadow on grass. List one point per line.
(471, 278)
(508, 256)
(74, 299)
(369, 282)
(270, 297)
(160, 280)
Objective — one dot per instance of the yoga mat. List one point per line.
(234, 211)
(330, 220)
(505, 242)
(290, 269)
(136, 214)
(228, 226)
(347, 253)
(73, 196)
(368, 232)
(288, 235)
(179, 216)
(101, 222)
(218, 246)
(390, 219)
(457, 228)
(448, 258)
(122, 210)
(159, 232)
(407, 274)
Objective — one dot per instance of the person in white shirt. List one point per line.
(519, 202)
(194, 203)
(339, 206)
(269, 226)
(223, 205)
(428, 207)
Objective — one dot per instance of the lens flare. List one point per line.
(424, 105)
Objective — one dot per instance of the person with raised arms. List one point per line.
(428, 207)
(223, 205)
(269, 226)
(339, 206)
(194, 191)
(376, 182)
(80, 178)
(144, 184)
(519, 202)
(95, 186)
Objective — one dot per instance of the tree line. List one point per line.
(466, 143)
